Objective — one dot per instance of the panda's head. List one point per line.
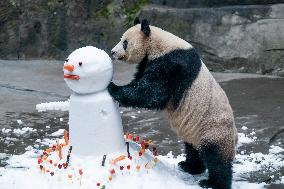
(132, 47)
(143, 40)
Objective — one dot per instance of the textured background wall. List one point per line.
(53, 28)
(212, 3)
(233, 35)
(239, 38)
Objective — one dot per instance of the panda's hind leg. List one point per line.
(219, 167)
(193, 164)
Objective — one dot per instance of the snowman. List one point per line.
(96, 132)
(95, 126)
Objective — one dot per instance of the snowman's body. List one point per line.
(95, 126)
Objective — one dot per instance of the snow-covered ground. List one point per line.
(22, 171)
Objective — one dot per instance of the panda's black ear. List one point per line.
(136, 21)
(145, 27)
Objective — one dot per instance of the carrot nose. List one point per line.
(69, 67)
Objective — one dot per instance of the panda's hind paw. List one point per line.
(207, 183)
(191, 168)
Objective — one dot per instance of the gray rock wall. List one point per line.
(51, 29)
(212, 3)
(233, 38)
(229, 38)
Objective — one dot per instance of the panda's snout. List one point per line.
(116, 55)
(117, 52)
(113, 52)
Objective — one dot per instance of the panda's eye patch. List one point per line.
(125, 43)
(80, 63)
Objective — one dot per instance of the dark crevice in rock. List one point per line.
(274, 50)
(212, 3)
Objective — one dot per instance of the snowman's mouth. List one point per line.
(72, 77)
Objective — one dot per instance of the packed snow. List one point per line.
(22, 171)
(6, 131)
(19, 131)
(24, 130)
(275, 149)
(60, 105)
(29, 171)
(58, 133)
(258, 161)
(3, 155)
(244, 128)
(244, 139)
(19, 122)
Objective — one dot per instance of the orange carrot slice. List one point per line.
(60, 151)
(66, 137)
(120, 158)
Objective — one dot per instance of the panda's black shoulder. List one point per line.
(180, 61)
(176, 71)
(187, 59)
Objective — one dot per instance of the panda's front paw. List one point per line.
(111, 88)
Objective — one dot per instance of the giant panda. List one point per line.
(171, 76)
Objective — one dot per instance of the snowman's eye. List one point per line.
(80, 63)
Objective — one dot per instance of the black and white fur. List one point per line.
(175, 77)
(167, 72)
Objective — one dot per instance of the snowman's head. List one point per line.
(88, 70)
